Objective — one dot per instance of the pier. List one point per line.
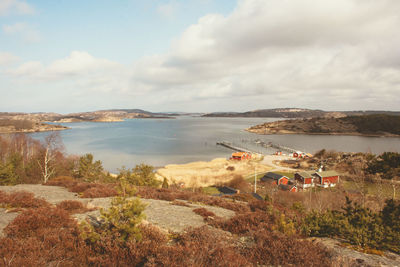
(276, 146)
(258, 142)
(234, 147)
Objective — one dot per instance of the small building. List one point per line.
(304, 179)
(228, 190)
(326, 178)
(288, 187)
(275, 178)
(240, 156)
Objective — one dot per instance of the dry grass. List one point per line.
(217, 171)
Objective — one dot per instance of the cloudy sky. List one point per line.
(199, 55)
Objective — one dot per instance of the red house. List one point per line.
(240, 156)
(304, 179)
(326, 178)
(288, 187)
(275, 178)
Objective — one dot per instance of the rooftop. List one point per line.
(327, 173)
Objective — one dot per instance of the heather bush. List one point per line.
(180, 203)
(199, 247)
(85, 189)
(275, 249)
(203, 212)
(72, 206)
(100, 190)
(42, 236)
(172, 194)
(21, 199)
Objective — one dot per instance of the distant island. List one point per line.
(15, 122)
(296, 113)
(27, 126)
(367, 125)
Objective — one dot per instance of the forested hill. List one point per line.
(297, 113)
(376, 125)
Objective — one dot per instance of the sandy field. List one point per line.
(207, 173)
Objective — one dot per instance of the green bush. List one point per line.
(141, 175)
(359, 226)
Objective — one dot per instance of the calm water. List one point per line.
(185, 139)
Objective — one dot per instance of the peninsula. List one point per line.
(367, 125)
(15, 122)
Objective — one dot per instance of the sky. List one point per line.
(199, 55)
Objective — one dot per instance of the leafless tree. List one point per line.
(52, 144)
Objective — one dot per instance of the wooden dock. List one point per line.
(235, 147)
(276, 146)
(258, 142)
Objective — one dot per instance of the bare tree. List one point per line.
(359, 178)
(52, 144)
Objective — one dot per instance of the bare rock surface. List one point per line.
(343, 256)
(52, 194)
(5, 219)
(161, 213)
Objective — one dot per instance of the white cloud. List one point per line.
(328, 51)
(7, 58)
(24, 31)
(15, 6)
(87, 72)
(267, 53)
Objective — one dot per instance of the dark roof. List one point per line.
(305, 174)
(285, 187)
(327, 174)
(272, 176)
(227, 190)
(257, 196)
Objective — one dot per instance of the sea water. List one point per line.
(185, 139)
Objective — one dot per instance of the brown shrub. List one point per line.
(256, 205)
(64, 181)
(21, 199)
(238, 182)
(172, 194)
(43, 237)
(230, 168)
(180, 203)
(100, 190)
(80, 187)
(275, 249)
(203, 212)
(87, 190)
(72, 206)
(245, 222)
(199, 247)
(35, 220)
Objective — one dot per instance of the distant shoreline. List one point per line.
(333, 133)
(379, 125)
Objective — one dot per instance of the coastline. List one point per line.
(35, 130)
(284, 132)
